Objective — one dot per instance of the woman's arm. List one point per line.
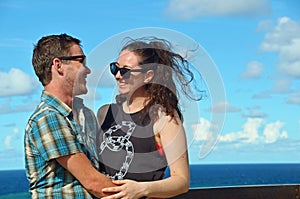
(173, 140)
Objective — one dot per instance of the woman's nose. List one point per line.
(118, 75)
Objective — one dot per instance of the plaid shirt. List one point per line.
(51, 133)
(87, 121)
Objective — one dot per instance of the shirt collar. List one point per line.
(56, 103)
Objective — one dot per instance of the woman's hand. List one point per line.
(125, 189)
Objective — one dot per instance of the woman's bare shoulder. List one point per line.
(101, 113)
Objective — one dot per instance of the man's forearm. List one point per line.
(81, 168)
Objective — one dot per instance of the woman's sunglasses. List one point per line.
(125, 72)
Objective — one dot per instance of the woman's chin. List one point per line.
(122, 92)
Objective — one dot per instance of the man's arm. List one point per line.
(81, 168)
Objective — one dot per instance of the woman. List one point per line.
(142, 133)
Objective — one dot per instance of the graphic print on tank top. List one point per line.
(117, 143)
(126, 146)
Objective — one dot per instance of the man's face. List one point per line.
(77, 72)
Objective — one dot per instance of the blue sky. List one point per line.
(254, 46)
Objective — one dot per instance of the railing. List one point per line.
(245, 192)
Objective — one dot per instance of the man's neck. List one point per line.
(65, 98)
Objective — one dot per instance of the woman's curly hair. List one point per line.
(157, 54)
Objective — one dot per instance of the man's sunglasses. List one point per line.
(125, 72)
(68, 58)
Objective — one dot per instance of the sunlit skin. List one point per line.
(69, 77)
(132, 87)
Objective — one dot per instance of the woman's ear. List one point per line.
(149, 76)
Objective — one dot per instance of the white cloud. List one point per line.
(272, 132)
(9, 139)
(294, 98)
(17, 104)
(262, 95)
(291, 68)
(253, 71)
(7, 142)
(251, 133)
(206, 132)
(282, 85)
(222, 107)
(16, 82)
(285, 40)
(190, 9)
(265, 25)
(281, 36)
(203, 130)
(291, 50)
(248, 134)
(255, 113)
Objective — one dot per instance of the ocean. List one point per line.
(14, 185)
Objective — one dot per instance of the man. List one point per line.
(87, 120)
(56, 161)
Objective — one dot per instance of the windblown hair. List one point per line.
(46, 50)
(157, 54)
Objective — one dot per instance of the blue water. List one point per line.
(13, 181)
(13, 184)
(244, 175)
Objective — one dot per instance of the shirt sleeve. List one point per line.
(55, 137)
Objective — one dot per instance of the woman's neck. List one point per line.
(136, 102)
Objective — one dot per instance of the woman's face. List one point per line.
(135, 82)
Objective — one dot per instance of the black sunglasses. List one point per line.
(68, 58)
(125, 72)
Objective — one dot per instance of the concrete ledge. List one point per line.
(247, 192)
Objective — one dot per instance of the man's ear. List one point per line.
(57, 65)
(149, 76)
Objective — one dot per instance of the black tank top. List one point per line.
(127, 148)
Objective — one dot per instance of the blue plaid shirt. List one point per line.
(51, 133)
